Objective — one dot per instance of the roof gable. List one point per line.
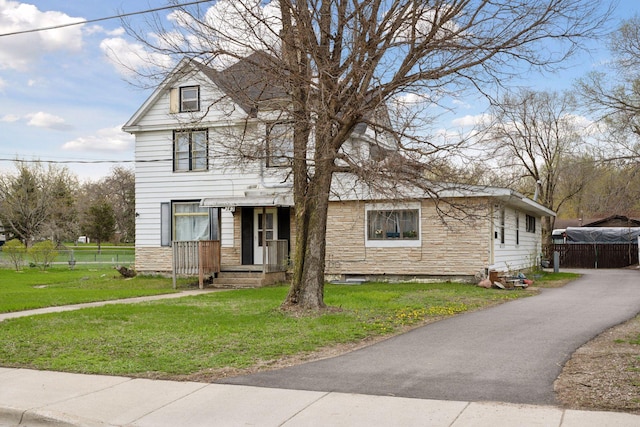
(246, 83)
(184, 68)
(614, 221)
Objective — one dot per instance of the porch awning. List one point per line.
(268, 200)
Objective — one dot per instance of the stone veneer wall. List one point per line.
(154, 259)
(459, 248)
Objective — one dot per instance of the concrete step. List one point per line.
(240, 275)
(239, 279)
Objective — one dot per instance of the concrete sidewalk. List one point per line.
(42, 398)
(62, 308)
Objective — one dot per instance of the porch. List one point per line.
(202, 258)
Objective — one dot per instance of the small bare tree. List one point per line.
(344, 64)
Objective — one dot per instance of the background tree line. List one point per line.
(47, 202)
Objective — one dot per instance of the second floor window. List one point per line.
(189, 98)
(190, 150)
(279, 144)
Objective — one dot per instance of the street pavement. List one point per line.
(509, 353)
(491, 368)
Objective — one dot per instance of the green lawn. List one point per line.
(554, 280)
(222, 330)
(32, 288)
(88, 253)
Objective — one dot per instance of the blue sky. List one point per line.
(62, 99)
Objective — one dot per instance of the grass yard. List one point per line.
(32, 288)
(555, 280)
(88, 253)
(221, 331)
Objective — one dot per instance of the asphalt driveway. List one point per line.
(509, 353)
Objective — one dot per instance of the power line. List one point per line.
(89, 21)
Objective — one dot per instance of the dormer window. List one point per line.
(189, 99)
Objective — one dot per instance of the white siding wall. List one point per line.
(227, 235)
(157, 183)
(512, 255)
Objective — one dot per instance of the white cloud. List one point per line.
(19, 52)
(462, 104)
(47, 121)
(131, 58)
(229, 25)
(9, 118)
(98, 29)
(412, 98)
(3, 84)
(106, 140)
(470, 120)
(242, 27)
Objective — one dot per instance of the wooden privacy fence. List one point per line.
(196, 258)
(595, 255)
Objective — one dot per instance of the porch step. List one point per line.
(246, 279)
(239, 279)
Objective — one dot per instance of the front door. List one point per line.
(265, 227)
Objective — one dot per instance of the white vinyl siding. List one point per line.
(520, 250)
(156, 183)
(279, 144)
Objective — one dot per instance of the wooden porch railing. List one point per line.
(277, 258)
(196, 258)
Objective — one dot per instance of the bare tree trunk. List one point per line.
(307, 285)
(311, 188)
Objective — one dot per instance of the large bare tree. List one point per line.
(540, 135)
(613, 95)
(345, 63)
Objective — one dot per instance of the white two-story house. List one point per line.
(212, 163)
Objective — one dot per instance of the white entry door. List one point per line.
(265, 227)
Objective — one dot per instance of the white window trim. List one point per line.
(183, 89)
(392, 243)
